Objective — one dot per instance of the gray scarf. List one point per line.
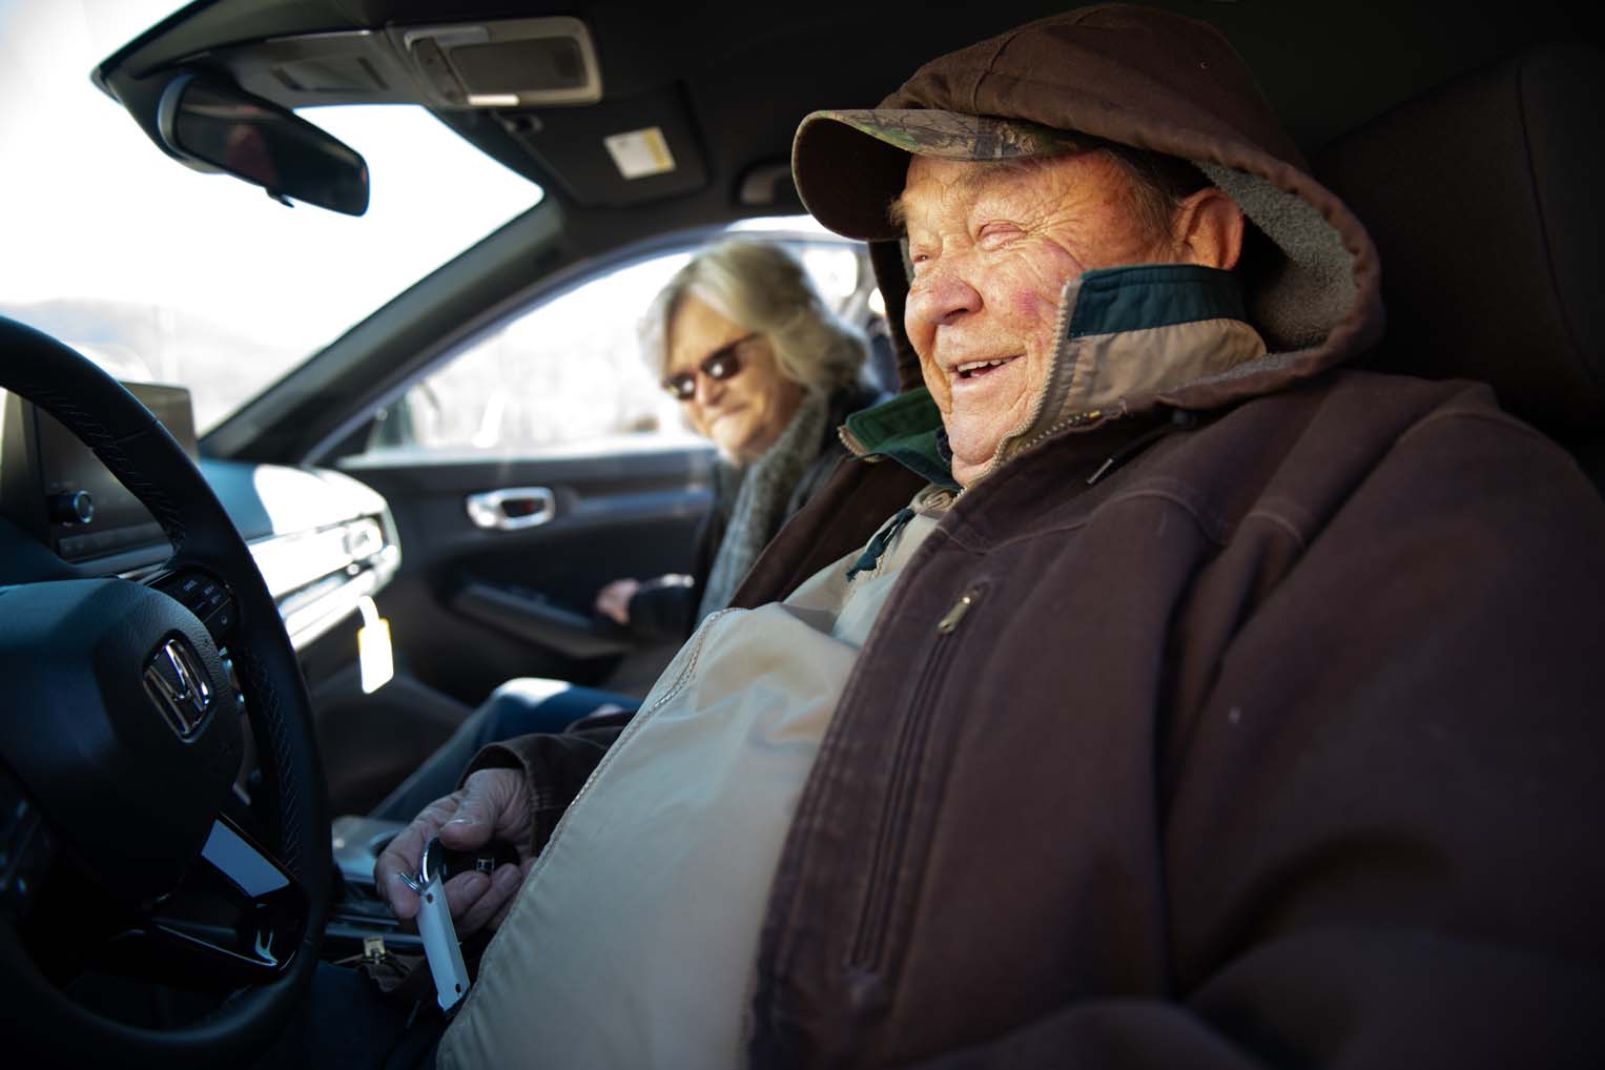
(760, 504)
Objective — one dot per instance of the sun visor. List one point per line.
(620, 151)
(510, 63)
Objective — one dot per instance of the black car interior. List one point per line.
(1482, 197)
(1467, 141)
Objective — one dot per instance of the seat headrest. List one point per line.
(1483, 198)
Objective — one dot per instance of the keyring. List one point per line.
(431, 863)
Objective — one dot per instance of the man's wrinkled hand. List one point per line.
(492, 804)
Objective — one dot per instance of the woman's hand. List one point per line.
(492, 804)
(613, 601)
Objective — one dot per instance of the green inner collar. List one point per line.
(904, 429)
(1146, 296)
(1110, 300)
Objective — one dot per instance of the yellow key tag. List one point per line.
(374, 655)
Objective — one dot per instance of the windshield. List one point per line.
(163, 274)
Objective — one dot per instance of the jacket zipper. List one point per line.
(868, 946)
(949, 623)
(1075, 419)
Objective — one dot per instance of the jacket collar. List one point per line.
(906, 429)
(1124, 333)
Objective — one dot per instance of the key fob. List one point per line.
(484, 860)
(434, 926)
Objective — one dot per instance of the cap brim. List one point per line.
(849, 165)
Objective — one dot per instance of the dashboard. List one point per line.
(321, 539)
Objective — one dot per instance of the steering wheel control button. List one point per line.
(207, 598)
(178, 686)
(24, 851)
(220, 621)
(210, 595)
(72, 507)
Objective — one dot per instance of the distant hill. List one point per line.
(221, 365)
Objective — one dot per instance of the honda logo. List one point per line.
(179, 686)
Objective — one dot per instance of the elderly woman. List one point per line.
(767, 372)
(764, 370)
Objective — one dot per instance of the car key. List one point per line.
(445, 955)
(483, 859)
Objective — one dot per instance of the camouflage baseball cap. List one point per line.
(849, 165)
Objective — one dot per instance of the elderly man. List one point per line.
(1153, 692)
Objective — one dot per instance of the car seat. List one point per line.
(1483, 197)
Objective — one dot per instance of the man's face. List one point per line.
(992, 247)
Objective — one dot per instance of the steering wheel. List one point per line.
(120, 747)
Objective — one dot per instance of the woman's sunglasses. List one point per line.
(723, 363)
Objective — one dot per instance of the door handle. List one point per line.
(512, 509)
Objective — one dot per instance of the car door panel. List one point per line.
(472, 606)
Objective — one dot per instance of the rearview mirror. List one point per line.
(213, 126)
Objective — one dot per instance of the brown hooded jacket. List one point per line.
(1277, 745)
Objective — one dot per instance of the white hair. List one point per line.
(762, 287)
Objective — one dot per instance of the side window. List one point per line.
(565, 374)
(568, 376)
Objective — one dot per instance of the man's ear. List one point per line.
(1209, 230)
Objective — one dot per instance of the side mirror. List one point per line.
(213, 126)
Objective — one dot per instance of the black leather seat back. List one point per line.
(1484, 198)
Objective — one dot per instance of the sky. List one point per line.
(91, 209)
(167, 274)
